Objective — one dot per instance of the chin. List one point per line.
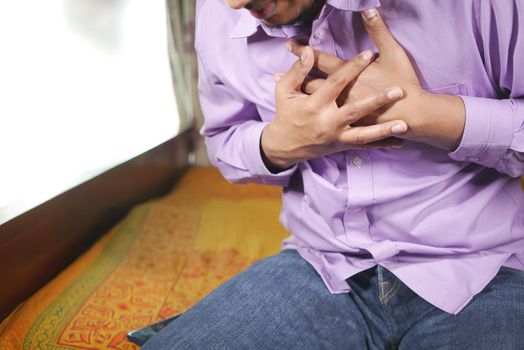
(272, 22)
(278, 20)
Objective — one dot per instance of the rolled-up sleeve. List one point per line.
(494, 129)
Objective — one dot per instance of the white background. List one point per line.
(84, 85)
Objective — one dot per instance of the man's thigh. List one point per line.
(278, 303)
(493, 320)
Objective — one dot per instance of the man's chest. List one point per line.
(446, 57)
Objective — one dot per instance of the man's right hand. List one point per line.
(310, 126)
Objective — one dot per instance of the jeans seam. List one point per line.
(387, 318)
(391, 292)
(382, 286)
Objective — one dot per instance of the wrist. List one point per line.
(269, 152)
(442, 120)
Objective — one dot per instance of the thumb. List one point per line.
(378, 31)
(291, 81)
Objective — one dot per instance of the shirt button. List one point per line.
(357, 161)
(319, 34)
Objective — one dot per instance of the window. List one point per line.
(85, 85)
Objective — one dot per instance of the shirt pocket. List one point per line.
(452, 89)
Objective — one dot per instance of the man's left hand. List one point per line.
(437, 120)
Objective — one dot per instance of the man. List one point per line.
(400, 172)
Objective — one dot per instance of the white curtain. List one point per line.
(181, 19)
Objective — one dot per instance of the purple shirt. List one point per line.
(442, 222)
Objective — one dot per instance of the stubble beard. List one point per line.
(307, 14)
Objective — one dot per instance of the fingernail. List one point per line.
(304, 56)
(399, 129)
(367, 55)
(394, 94)
(289, 47)
(369, 14)
(277, 77)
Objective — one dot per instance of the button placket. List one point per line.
(360, 196)
(360, 179)
(320, 30)
(357, 161)
(319, 34)
(356, 227)
(317, 37)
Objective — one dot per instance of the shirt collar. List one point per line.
(247, 25)
(354, 5)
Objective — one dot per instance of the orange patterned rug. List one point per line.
(161, 259)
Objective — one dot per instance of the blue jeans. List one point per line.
(281, 303)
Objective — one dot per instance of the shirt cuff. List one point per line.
(255, 163)
(488, 131)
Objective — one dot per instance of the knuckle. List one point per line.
(376, 27)
(322, 134)
(353, 112)
(337, 79)
(298, 123)
(360, 62)
(385, 131)
(325, 131)
(355, 66)
(360, 139)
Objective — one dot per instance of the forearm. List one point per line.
(485, 131)
(236, 153)
(437, 120)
